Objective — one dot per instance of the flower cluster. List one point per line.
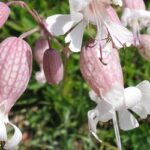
(99, 60)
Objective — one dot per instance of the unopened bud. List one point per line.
(100, 77)
(40, 47)
(53, 67)
(15, 68)
(4, 13)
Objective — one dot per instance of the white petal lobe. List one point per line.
(75, 37)
(16, 138)
(59, 24)
(127, 121)
(3, 131)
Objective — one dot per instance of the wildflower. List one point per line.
(15, 68)
(106, 82)
(136, 17)
(91, 67)
(40, 47)
(4, 13)
(53, 67)
(83, 12)
(136, 99)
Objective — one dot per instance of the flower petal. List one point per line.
(143, 108)
(144, 86)
(115, 97)
(119, 34)
(75, 37)
(125, 16)
(3, 131)
(132, 97)
(16, 138)
(92, 122)
(59, 24)
(140, 111)
(106, 111)
(93, 96)
(127, 121)
(40, 77)
(78, 5)
(76, 16)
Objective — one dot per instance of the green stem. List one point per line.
(105, 144)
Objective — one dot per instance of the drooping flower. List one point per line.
(136, 17)
(83, 12)
(15, 68)
(40, 47)
(106, 82)
(53, 66)
(92, 68)
(4, 13)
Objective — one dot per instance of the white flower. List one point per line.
(120, 100)
(137, 18)
(81, 13)
(10, 143)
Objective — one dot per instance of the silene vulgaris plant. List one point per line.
(99, 60)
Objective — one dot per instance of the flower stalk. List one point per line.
(22, 4)
(28, 33)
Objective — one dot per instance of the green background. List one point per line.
(55, 117)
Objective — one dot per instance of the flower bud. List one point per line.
(15, 68)
(144, 48)
(4, 13)
(40, 47)
(53, 66)
(100, 77)
(134, 4)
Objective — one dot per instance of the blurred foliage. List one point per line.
(55, 117)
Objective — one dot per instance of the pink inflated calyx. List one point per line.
(15, 68)
(144, 47)
(40, 47)
(100, 77)
(4, 13)
(134, 4)
(53, 66)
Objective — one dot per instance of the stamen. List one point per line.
(101, 57)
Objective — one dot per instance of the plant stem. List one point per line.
(104, 144)
(22, 4)
(39, 20)
(26, 34)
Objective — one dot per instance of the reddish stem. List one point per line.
(22, 4)
(33, 13)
